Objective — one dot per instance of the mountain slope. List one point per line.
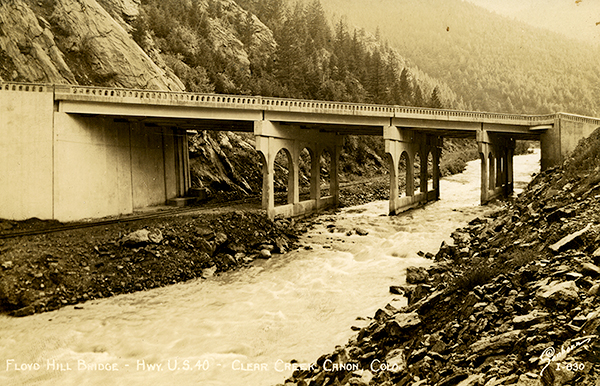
(68, 41)
(574, 19)
(493, 62)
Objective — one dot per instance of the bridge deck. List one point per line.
(206, 110)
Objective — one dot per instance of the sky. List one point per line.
(574, 18)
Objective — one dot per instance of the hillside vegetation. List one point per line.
(300, 55)
(494, 63)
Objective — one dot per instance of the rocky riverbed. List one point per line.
(46, 272)
(515, 300)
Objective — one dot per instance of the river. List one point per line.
(244, 327)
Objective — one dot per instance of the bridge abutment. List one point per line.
(560, 139)
(405, 144)
(271, 138)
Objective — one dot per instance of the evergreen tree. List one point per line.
(405, 88)
(435, 101)
(418, 100)
(319, 31)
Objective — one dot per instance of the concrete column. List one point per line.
(436, 167)
(498, 159)
(484, 172)
(315, 175)
(268, 190)
(394, 154)
(509, 170)
(424, 153)
(334, 180)
(393, 163)
(483, 143)
(186, 163)
(293, 184)
(410, 174)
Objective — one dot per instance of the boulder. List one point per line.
(595, 290)
(534, 317)
(529, 379)
(220, 239)
(137, 238)
(209, 272)
(590, 269)
(361, 231)
(142, 237)
(7, 264)
(264, 254)
(495, 344)
(403, 322)
(559, 295)
(281, 245)
(396, 361)
(155, 236)
(567, 241)
(416, 275)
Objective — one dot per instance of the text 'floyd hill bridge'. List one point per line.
(74, 152)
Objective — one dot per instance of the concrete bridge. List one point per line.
(73, 152)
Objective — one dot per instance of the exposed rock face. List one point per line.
(123, 11)
(114, 58)
(89, 42)
(28, 51)
(88, 46)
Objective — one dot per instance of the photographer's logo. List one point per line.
(550, 356)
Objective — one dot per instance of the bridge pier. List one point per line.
(407, 144)
(271, 138)
(496, 153)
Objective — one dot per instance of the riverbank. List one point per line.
(46, 272)
(513, 301)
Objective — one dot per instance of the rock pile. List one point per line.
(514, 301)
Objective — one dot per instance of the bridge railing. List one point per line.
(154, 97)
(579, 118)
(26, 87)
(173, 98)
(472, 116)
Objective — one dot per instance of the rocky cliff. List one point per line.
(91, 42)
(68, 41)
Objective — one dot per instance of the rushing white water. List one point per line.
(244, 327)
